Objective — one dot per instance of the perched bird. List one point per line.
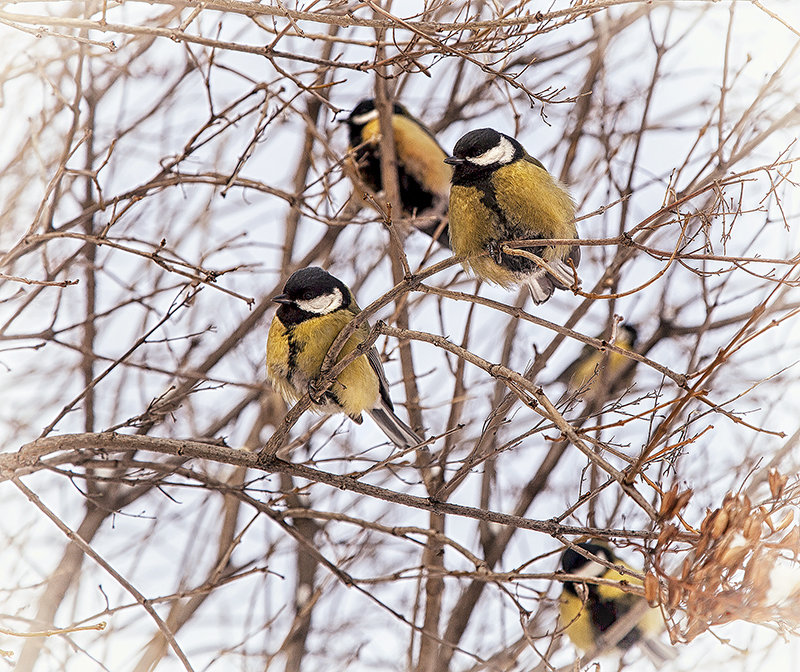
(593, 367)
(315, 307)
(423, 177)
(587, 610)
(499, 194)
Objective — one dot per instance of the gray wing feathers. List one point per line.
(399, 432)
(374, 360)
(384, 416)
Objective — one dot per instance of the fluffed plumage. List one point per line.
(314, 308)
(424, 178)
(499, 193)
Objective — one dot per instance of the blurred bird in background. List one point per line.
(424, 178)
(597, 373)
(587, 610)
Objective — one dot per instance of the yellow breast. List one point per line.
(295, 355)
(603, 367)
(472, 225)
(576, 622)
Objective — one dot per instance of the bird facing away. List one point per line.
(587, 610)
(314, 307)
(499, 193)
(595, 371)
(424, 178)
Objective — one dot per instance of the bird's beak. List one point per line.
(282, 298)
(454, 160)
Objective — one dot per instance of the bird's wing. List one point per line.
(534, 161)
(575, 255)
(384, 416)
(374, 360)
(373, 357)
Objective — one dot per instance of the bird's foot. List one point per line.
(317, 395)
(495, 250)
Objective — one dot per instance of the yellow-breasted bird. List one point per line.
(594, 367)
(587, 610)
(424, 178)
(499, 193)
(314, 308)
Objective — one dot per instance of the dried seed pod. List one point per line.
(752, 528)
(719, 524)
(751, 570)
(791, 542)
(732, 557)
(651, 592)
(683, 499)
(785, 521)
(707, 520)
(674, 594)
(777, 483)
(686, 569)
(701, 546)
(666, 535)
(668, 500)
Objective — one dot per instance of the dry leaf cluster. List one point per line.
(742, 565)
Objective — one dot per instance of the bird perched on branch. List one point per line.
(424, 178)
(595, 371)
(314, 308)
(587, 610)
(499, 194)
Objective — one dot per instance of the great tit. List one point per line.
(423, 177)
(594, 369)
(587, 610)
(314, 308)
(499, 193)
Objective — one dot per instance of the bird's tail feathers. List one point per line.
(562, 276)
(657, 651)
(541, 286)
(542, 283)
(398, 432)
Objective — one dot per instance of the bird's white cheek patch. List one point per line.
(592, 570)
(365, 118)
(321, 305)
(502, 153)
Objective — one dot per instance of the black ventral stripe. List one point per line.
(507, 231)
(294, 349)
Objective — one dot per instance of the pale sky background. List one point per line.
(758, 41)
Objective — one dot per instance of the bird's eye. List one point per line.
(307, 295)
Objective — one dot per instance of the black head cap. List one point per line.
(311, 282)
(368, 105)
(308, 284)
(572, 561)
(484, 149)
(631, 333)
(362, 114)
